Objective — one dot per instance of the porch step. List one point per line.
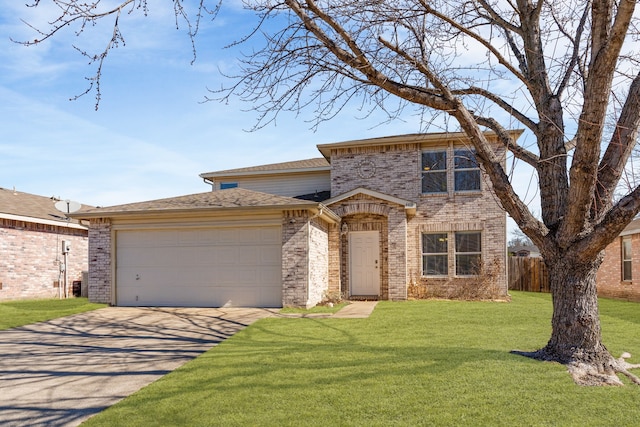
(364, 298)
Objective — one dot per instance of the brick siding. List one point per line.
(295, 258)
(318, 261)
(31, 258)
(100, 259)
(334, 268)
(305, 259)
(609, 278)
(397, 170)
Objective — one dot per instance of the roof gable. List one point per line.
(409, 206)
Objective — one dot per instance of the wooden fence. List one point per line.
(528, 274)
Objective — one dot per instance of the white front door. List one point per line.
(364, 263)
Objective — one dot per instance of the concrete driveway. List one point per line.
(61, 372)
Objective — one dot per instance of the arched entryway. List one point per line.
(371, 218)
(364, 261)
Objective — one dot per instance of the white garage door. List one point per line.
(210, 267)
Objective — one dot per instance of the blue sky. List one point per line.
(152, 134)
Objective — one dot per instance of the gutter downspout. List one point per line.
(211, 183)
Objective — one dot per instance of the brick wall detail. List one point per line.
(318, 261)
(396, 170)
(334, 268)
(295, 255)
(398, 255)
(305, 259)
(31, 258)
(100, 280)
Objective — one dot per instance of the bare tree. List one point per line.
(565, 70)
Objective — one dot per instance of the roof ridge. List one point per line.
(230, 198)
(312, 163)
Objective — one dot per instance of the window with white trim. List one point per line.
(466, 170)
(468, 252)
(626, 258)
(434, 171)
(227, 185)
(435, 254)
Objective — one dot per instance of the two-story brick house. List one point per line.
(384, 218)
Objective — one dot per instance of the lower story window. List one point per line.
(435, 259)
(468, 251)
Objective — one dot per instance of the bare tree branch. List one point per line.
(85, 14)
(619, 149)
(575, 55)
(487, 44)
(583, 171)
(508, 142)
(502, 103)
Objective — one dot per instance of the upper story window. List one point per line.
(466, 171)
(227, 185)
(626, 258)
(434, 171)
(439, 171)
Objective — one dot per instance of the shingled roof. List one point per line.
(319, 163)
(21, 206)
(234, 198)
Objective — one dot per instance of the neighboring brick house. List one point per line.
(31, 234)
(385, 218)
(619, 273)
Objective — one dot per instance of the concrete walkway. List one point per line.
(356, 310)
(61, 372)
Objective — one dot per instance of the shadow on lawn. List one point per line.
(271, 357)
(60, 372)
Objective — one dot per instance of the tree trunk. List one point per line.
(576, 339)
(576, 333)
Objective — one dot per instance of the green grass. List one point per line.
(24, 312)
(414, 363)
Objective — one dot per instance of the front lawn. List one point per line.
(24, 312)
(412, 363)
